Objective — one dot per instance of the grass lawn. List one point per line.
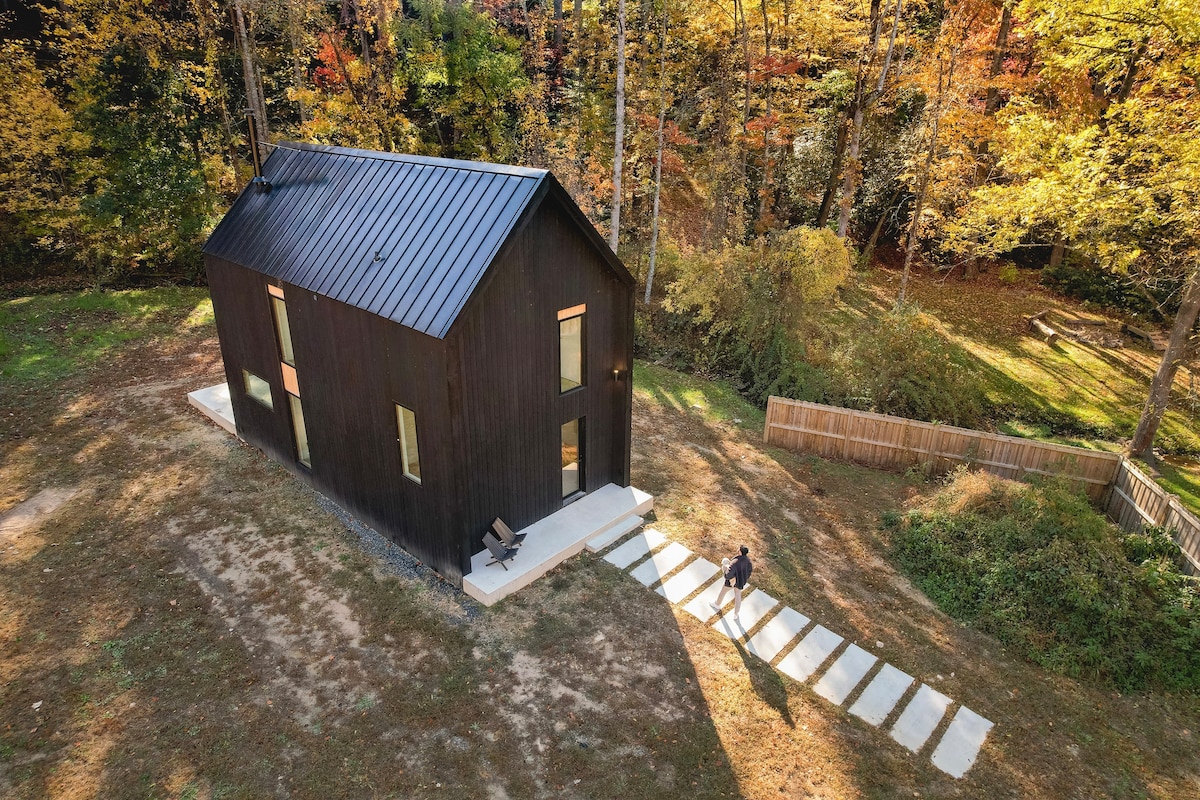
(182, 619)
(1086, 393)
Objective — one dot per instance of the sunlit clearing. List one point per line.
(202, 314)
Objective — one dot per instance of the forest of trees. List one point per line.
(763, 148)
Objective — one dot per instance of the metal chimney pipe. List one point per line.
(260, 183)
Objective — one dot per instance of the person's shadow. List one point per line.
(765, 680)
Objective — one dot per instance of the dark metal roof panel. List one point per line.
(436, 225)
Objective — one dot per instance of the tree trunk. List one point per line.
(944, 77)
(658, 156)
(254, 98)
(558, 25)
(868, 250)
(863, 99)
(992, 103)
(1057, 250)
(839, 152)
(295, 24)
(614, 233)
(764, 190)
(1160, 387)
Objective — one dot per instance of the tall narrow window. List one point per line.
(406, 421)
(572, 457)
(300, 432)
(283, 331)
(570, 348)
(257, 388)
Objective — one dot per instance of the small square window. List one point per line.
(257, 388)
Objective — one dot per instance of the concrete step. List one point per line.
(807, 657)
(616, 531)
(660, 564)
(920, 717)
(881, 695)
(961, 742)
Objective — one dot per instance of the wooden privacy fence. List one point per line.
(1136, 500)
(885, 442)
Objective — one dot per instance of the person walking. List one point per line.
(736, 578)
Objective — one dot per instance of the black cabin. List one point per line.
(430, 343)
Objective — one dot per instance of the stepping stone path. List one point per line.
(913, 727)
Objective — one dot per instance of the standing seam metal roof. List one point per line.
(405, 237)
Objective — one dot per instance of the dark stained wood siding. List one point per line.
(247, 333)
(504, 349)
(352, 368)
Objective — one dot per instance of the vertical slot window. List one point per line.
(572, 458)
(299, 431)
(283, 331)
(257, 388)
(406, 422)
(570, 348)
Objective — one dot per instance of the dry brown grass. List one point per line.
(194, 625)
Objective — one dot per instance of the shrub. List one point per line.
(902, 365)
(748, 304)
(1038, 568)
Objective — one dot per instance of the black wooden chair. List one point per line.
(506, 535)
(500, 553)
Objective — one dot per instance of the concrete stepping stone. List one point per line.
(636, 548)
(808, 656)
(688, 580)
(659, 564)
(755, 606)
(700, 607)
(920, 717)
(846, 673)
(881, 695)
(605, 538)
(777, 634)
(960, 745)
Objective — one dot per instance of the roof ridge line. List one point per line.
(413, 158)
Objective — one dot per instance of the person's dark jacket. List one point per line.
(739, 571)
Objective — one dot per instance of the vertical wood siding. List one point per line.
(506, 396)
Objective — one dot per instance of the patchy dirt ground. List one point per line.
(180, 618)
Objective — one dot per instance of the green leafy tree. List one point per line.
(1114, 170)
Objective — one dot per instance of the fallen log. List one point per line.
(1138, 333)
(1048, 333)
(1040, 315)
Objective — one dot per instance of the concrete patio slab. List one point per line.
(660, 564)
(700, 608)
(777, 634)
(839, 680)
(688, 580)
(627, 525)
(920, 717)
(636, 548)
(554, 539)
(213, 402)
(755, 606)
(881, 695)
(960, 744)
(807, 657)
